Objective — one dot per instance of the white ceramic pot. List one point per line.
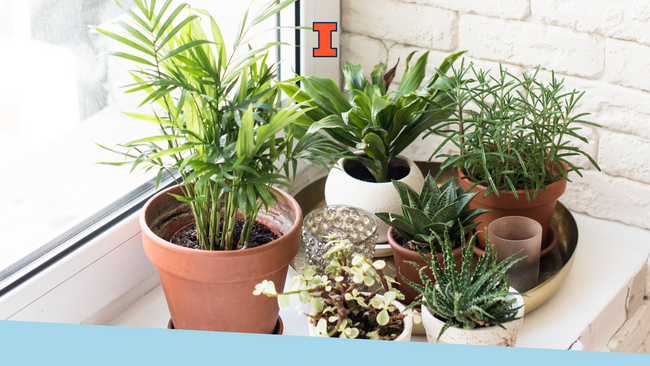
(488, 336)
(408, 323)
(342, 189)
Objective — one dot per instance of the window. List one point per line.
(62, 215)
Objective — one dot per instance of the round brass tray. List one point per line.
(554, 267)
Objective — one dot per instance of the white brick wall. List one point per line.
(598, 46)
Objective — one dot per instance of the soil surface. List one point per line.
(412, 246)
(362, 173)
(186, 237)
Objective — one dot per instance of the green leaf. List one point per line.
(413, 76)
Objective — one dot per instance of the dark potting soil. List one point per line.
(261, 235)
(412, 246)
(368, 323)
(360, 172)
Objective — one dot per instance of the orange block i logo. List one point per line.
(324, 48)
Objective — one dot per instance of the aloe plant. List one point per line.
(469, 298)
(371, 119)
(220, 125)
(427, 215)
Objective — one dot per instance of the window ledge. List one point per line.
(605, 288)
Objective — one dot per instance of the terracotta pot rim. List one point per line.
(520, 192)
(411, 164)
(297, 225)
(409, 252)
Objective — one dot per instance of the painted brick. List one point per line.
(632, 335)
(623, 19)
(413, 24)
(625, 155)
(357, 49)
(611, 198)
(616, 108)
(531, 44)
(507, 9)
(627, 64)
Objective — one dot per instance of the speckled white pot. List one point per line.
(489, 336)
(342, 189)
(408, 323)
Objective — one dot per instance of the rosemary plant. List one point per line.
(371, 119)
(220, 125)
(513, 133)
(469, 298)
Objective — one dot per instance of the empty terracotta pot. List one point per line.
(213, 290)
(540, 210)
(401, 255)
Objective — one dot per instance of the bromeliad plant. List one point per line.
(469, 298)
(338, 308)
(427, 215)
(371, 119)
(513, 133)
(220, 124)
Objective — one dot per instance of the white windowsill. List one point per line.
(592, 305)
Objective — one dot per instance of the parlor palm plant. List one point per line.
(221, 127)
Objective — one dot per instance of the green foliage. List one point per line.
(380, 124)
(426, 215)
(469, 298)
(512, 133)
(335, 300)
(220, 124)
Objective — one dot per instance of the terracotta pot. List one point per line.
(540, 210)
(213, 290)
(404, 336)
(343, 189)
(401, 255)
(487, 336)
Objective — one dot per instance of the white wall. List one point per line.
(601, 47)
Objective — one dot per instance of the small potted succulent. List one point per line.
(339, 309)
(468, 306)
(424, 218)
(379, 125)
(513, 139)
(224, 227)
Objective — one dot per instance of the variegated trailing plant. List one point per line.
(380, 123)
(338, 306)
(427, 215)
(221, 127)
(467, 298)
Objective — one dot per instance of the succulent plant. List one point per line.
(431, 212)
(468, 299)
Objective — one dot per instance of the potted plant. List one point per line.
(339, 309)
(424, 218)
(224, 227)
(377, 123)
(475, 307)
(513, 139)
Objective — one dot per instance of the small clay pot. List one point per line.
(401, 255)
(487, 336)
(405, 336)
(540, 210)
(343, 189)
(213, 290)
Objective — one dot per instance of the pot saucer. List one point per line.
(279, 326)
(550, 243)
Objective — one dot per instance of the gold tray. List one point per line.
(554, 267)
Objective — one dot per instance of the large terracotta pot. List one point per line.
(343, 189)
(213, 290)
(540, 210)
(405, 336)
(487, 336)
(401, 255)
